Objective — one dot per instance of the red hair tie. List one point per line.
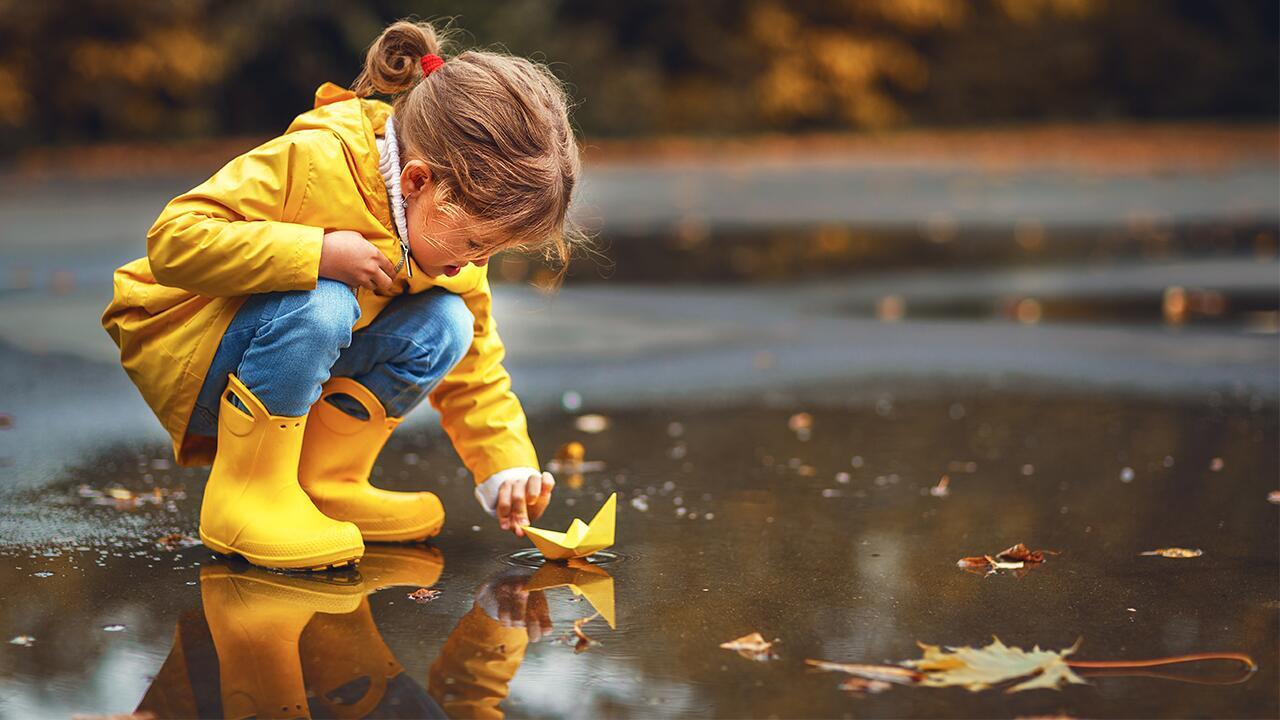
(430, 63)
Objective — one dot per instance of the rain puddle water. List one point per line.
(820, 524)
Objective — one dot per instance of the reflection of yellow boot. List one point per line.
(253, 505)
(348, 666)
(338, 455)
(255, 618)
(414, 566)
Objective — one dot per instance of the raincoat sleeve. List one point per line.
(477, 408)
(471, 676)
(233, 234)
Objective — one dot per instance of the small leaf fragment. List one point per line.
(751, 647)
(422, 596)
(1175, 552)
(862, 686)
(584, 642)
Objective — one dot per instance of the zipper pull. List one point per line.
(408, 263)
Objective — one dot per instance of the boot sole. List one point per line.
(332, 561)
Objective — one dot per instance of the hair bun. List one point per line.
(392, 64)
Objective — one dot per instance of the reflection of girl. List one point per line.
(272, 645)
(346, 259)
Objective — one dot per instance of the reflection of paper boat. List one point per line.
(584, 579)
(581, 539)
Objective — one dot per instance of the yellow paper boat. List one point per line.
(581, 539)
(583, 579)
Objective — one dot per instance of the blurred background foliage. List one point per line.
(83, 71)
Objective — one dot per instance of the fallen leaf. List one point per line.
(1175, 552)
(569, 459)
(1018, 557)
(571, 451)
(1000, 665)
(422, 596)
(862, 686)
(751, 647)
(941, 489)
(1020, 553)
(882, 673)
(982, 668)
(174, 541)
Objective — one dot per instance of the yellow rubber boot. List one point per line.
(256, 618)
(253, 505)
(337, 457)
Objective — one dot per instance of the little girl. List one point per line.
(293, 308)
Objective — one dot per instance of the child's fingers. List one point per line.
(519, 510)
(382, 278)
(504, 505)
(387, 267)
(539, 504)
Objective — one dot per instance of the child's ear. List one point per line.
(415, 178)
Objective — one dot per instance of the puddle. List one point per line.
(694, 253)
(824, 531)
(534, 558)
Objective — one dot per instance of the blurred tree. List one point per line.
(91, 70)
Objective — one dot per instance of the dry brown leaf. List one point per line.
(1175, 552)
(422, 596)
(941, 489)
(1020, 553)
(1018, 557)
(982, 668)
(751, 647)
(175, 541)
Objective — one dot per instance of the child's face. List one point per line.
(440, 245)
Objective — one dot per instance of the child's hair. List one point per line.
(493, 128)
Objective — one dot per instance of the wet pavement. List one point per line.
(820, 531)
(784, 391)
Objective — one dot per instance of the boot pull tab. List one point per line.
(337, 420)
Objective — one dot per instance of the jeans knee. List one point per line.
(328, 313)
(456, 325)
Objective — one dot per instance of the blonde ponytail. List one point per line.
(392, 63)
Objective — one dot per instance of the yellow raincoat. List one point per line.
(256, 226)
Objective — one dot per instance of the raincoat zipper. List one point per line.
(404, 258)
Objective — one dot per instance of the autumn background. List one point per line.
(844, 250)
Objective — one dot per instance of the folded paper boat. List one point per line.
(581, 539)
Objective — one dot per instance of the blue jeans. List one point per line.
(284, 345)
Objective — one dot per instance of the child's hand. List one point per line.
(522, 501)
(348, 258)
